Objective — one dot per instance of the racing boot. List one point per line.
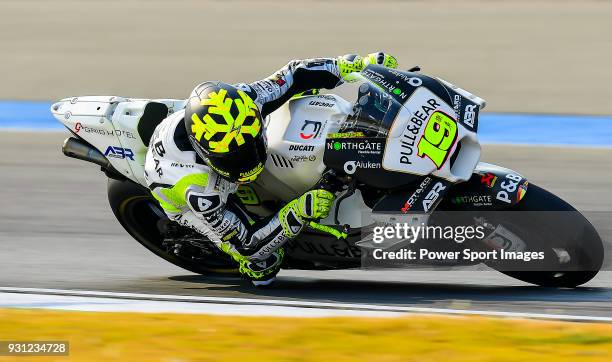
(262, 273)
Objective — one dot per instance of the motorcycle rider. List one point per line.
(198, 156)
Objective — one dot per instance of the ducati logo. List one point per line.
(310, 129)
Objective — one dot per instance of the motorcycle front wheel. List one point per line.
(563, 234)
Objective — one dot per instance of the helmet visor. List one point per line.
(241, 165)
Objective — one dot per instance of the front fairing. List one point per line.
(405, 126)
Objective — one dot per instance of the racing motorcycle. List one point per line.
(405, 151)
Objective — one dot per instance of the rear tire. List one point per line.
(141, 216)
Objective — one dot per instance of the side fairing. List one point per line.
(425, 135)
(90, 119)
(491, 187)
(296, 134)
(111, 125)
(406, 126)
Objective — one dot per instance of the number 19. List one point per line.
(439, 136)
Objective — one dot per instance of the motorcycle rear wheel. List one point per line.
(140, 215)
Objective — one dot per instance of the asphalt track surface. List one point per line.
(56, 231)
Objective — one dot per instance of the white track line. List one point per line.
(253, 306)
(105, 304)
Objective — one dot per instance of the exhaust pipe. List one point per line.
(81, 150)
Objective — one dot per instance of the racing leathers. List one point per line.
(194, 195)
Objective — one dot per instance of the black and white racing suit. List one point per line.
(196, 196)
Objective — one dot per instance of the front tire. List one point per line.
(569, 231)
(141, 216)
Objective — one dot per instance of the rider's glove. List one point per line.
(380, 58)
(314, 204)
(350, 64)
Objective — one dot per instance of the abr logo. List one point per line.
(119, 152)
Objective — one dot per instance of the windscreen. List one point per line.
(373, 112)
(381, 95)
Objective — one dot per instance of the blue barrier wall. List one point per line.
(542, 129)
